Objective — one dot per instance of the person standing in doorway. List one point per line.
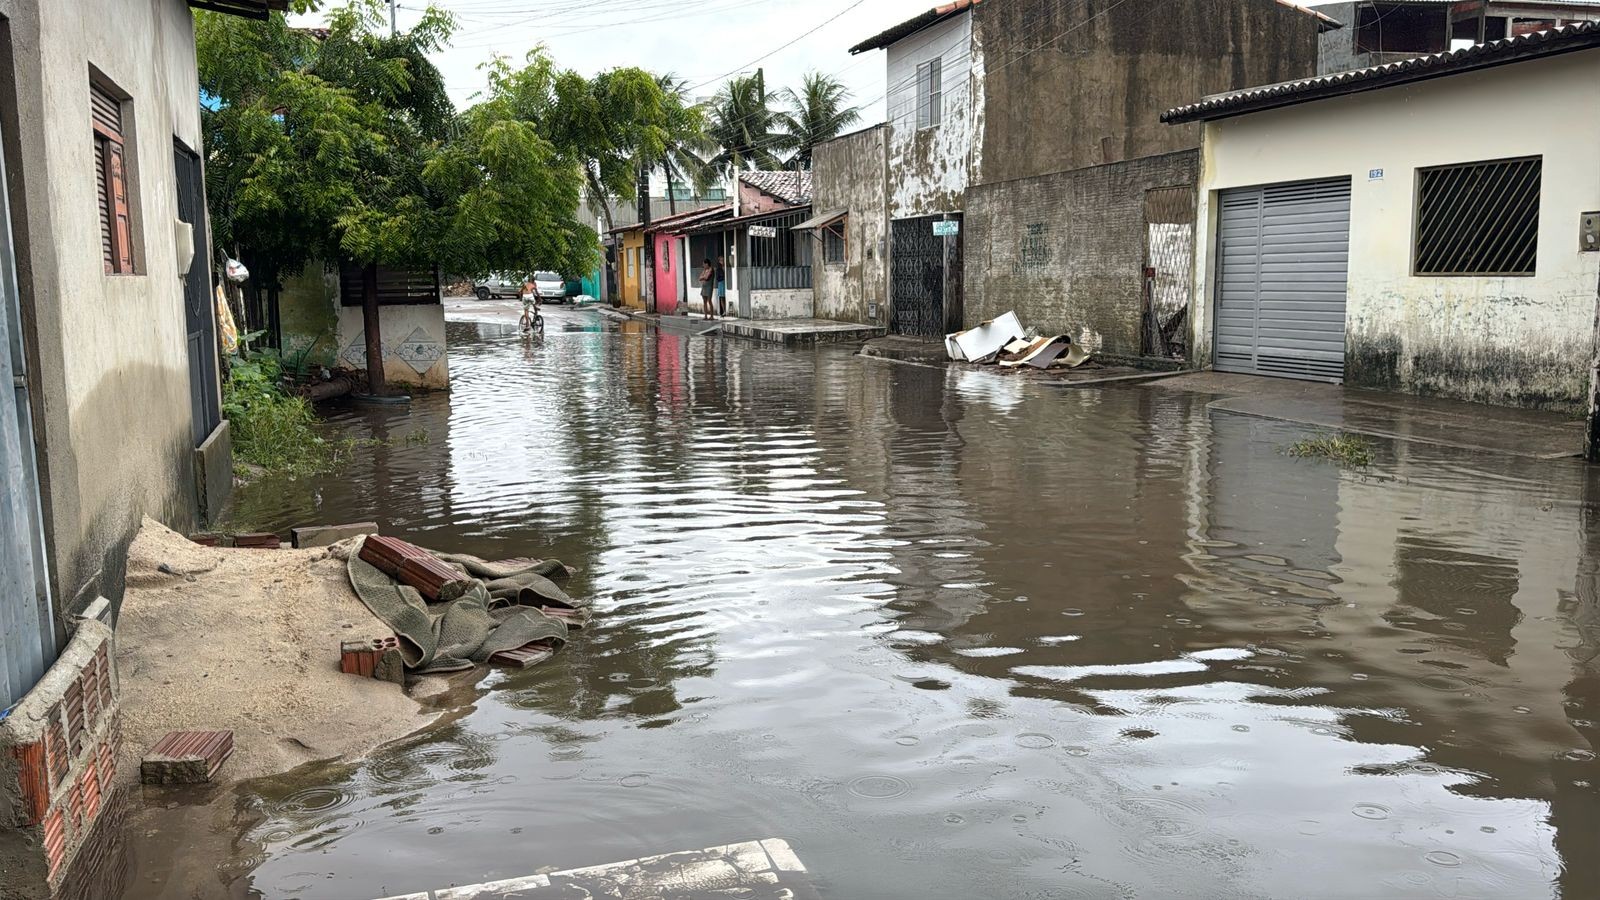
(707, 285)
(722, 287)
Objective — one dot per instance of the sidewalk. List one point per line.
(788, 332)
(1450, 423)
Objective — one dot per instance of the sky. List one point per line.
(699, 40)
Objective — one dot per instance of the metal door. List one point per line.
(925, 278)
(199, 313)
(27, 622)
(1282, 263)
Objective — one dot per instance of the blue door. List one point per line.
(27, 635)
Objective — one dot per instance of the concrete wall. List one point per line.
(795, 304)
(413, 344)
(1071, 84)
(930, 168)
(1067, 251)
(111, 393)
(1509, 340)
(308, 313)
(849, 173)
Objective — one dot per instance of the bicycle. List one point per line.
(531, 321)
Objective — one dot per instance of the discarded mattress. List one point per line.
(494, 607)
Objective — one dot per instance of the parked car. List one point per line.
(552, 288)
(497, 286)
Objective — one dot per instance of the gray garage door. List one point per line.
(1282, 257)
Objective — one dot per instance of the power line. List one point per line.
(785, 46)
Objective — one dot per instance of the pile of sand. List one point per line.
(248, 640)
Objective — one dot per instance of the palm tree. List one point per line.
(685, 143)
(746, 127)
(817, 113)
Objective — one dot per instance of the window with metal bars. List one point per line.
(1478, 218)
(833, 252)
(111, 181)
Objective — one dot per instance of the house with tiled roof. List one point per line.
(1429, 225)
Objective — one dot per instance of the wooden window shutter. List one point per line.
(103, 195)
(111, 181)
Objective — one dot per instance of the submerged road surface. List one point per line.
(951, 635)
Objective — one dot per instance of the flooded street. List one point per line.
(954, 635)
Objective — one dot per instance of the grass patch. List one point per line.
(274, 432)
(1345, 449)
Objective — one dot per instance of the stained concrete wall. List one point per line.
(1066, 251)
(1522, 341)
(413, 344)
(308, 316)
(109, 353)
(849, 173)
(930, 168)
(775, 304)
(1070, 84)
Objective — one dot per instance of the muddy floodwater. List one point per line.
(953, 635)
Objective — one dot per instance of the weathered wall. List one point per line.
(1075, 83)
(1510, 340)
(1336, 47)
(413, 344)
(848, 173)
(930, 168)
(795, 304)
(1066, 251)
(308, 314)
(111, 396)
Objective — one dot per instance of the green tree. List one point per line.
(818, 112)
(746, 127)
(686, 147)
(342, 144)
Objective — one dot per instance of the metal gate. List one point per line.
(925, 278)
(1282, 263)
(199, 314)
(27, 629)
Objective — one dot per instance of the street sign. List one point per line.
(947, 228)
(767, 231)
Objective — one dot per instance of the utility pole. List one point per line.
(394, 27)
(647, 254)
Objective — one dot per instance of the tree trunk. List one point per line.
(672, 201)
(374, 329)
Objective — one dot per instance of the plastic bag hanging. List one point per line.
(236, 271)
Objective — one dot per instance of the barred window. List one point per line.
(833, 243)
(1478, 218)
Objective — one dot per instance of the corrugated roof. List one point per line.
(1567, 38)
(787, 185)
(681, 220)
(913, 25)
(750, 219)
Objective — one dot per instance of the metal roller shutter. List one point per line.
(1282, 263)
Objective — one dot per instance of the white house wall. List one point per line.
(930, 168)
(1511, 340)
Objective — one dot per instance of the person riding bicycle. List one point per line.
(531, 320)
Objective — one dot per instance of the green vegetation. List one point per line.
(1345, 449)
(818, 112)
(272, 430)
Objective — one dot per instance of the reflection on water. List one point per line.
(955, 636)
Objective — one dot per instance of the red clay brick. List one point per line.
(257, 540)
(33, 780)
(186, 757)
(55, 840)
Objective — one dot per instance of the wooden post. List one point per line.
(374, 329)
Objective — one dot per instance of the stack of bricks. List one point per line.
(59, 746)
(411, 565)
